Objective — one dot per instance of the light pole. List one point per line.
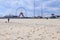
(34, 8)
(41, 9)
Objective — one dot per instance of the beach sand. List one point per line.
(30, 29)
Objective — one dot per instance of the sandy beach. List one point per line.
(30, 29)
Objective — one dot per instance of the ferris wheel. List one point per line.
(21, 12)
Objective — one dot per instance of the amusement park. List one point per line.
(34, 9)
(21, 12)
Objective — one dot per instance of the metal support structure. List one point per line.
(21, 14)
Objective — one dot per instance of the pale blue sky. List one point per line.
(27, 6)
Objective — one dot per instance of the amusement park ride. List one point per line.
(21, 12)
